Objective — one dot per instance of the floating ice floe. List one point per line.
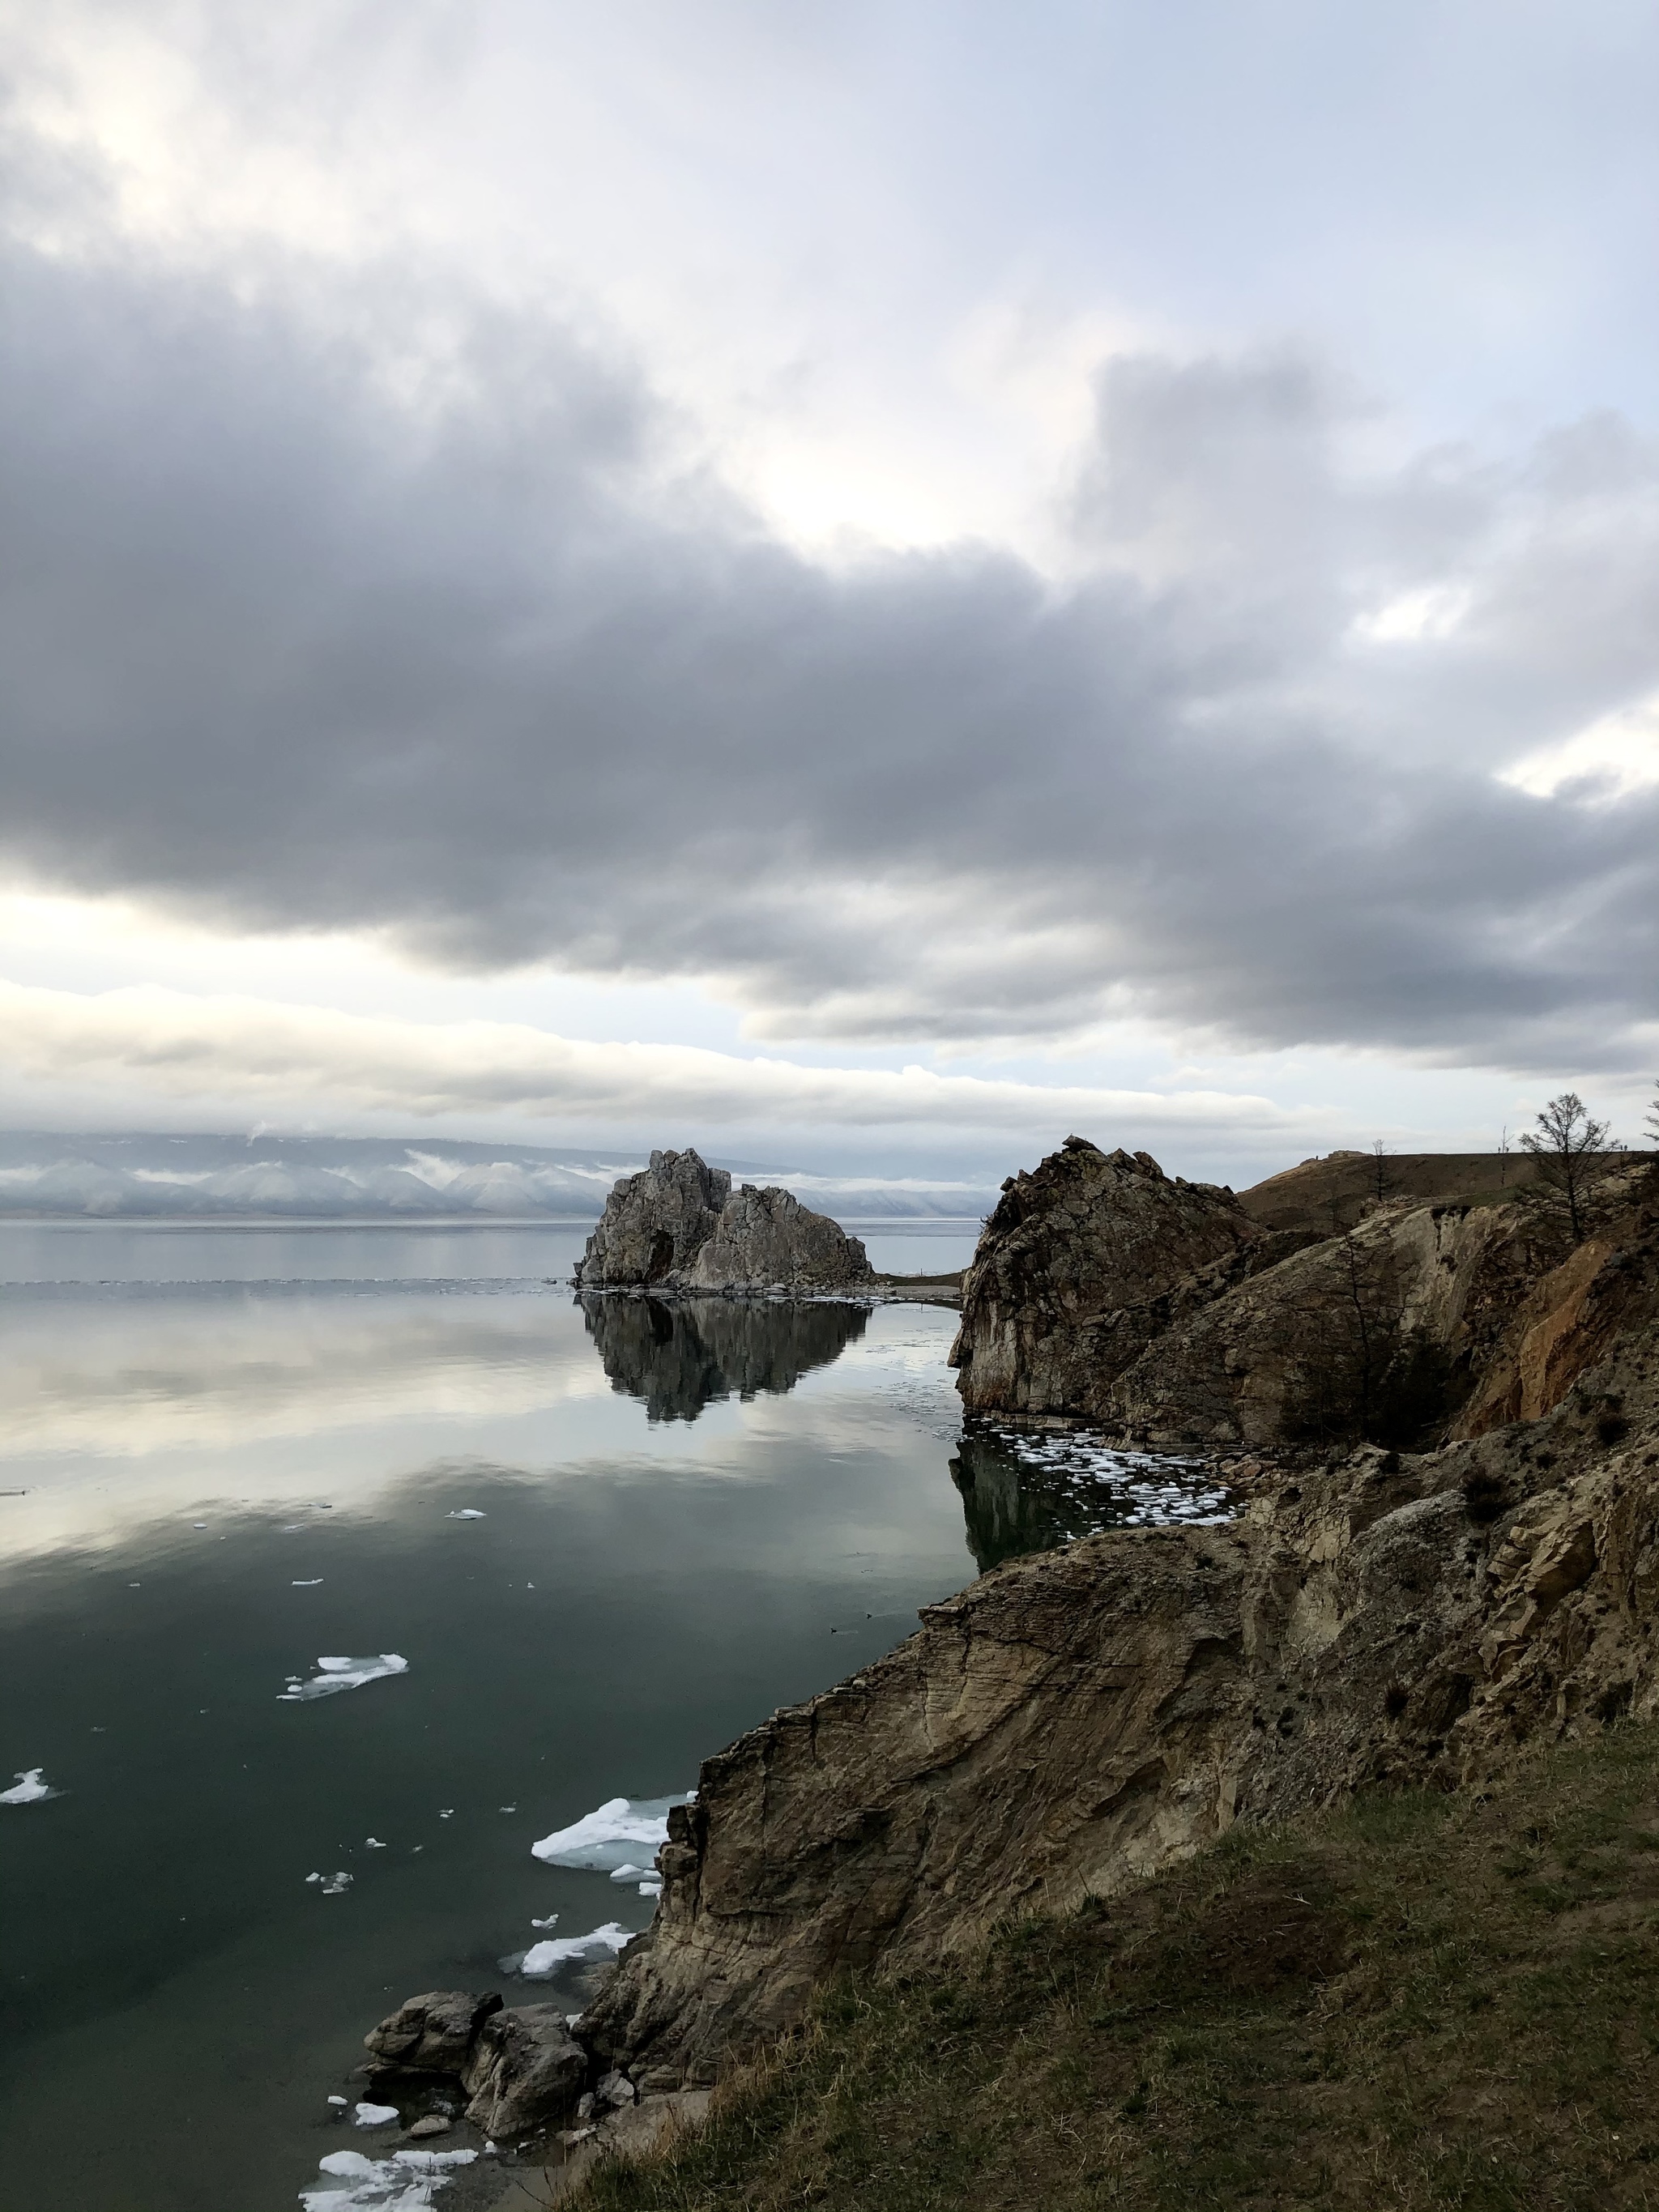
(551, 1921)
(448, 1813)
(650, 1889)
(336, 1885)
(507, 1809)
(467, 1513)
(29, 1789)
(402, 2183)
(339, 2100)
(343, 1674)
(373, 1843)
(545, 1959)
(374, 2116)
(627, 1871)
(316, 1582)
(623, 1829)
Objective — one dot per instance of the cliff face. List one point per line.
(655, 1223)
(1061, 1295)
(1163, 1313)
(678, 1226)
(1362, 1333)
(1075, 1721)
(769, 1236)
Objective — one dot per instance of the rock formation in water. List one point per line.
(678, 1358)
(655, 1224)
(520, 2066)
(1078, 1720)
(1062, 1293)
(678, 1226)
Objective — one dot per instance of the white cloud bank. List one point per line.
(168, 1046)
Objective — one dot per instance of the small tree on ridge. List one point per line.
(1571, 1149)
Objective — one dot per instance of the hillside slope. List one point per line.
(1426, 2000)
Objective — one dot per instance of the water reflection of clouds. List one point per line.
(125, 1379)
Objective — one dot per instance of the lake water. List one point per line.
(229, 1452)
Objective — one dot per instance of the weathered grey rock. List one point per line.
(767, 1238)
(525, 2069)
(1077, 1720)
(1365, 1333)
(679, 1227)
(1063, 1291)
(655, 1223)
(431, 2034)
(435, 2124)
(614, 2089)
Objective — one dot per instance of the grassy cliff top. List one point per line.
(1421, 2001)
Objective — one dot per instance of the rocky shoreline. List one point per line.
(1420, 1605)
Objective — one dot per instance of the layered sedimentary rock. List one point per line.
(1064, 1290)
(678, 1226)
(1076, 1721)
(1369, 1334)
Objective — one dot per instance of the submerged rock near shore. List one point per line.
(678, 1226)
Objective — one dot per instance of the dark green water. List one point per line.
(685, 1525)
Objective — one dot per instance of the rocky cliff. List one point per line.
(1076, 1721)
(1168, 1314)
(678, 1226)
(1063, 1295)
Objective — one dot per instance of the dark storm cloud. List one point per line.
(299, 632)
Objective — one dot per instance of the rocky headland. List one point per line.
(679, 1227)
(1377, 1612)
(1441, 1426)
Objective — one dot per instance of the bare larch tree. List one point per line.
(1571, 1149)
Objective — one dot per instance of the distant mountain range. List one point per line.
(382, 1178)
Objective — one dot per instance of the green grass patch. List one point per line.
(1420, 2001)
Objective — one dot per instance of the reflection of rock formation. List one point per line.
(1021, 1494)
(677, 1357)
(679, 1225)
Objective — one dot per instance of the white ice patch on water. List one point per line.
(315, 1583)
(29, 1789)
(623, 1829)
(467, 1513)
(374, 2116)
(403, 2182)
(650, 1889)
(542, 1959)
(336, 1885)
(343, 1674)
(551, 1921)
(627, 1871)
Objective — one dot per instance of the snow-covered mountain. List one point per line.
(342, 1178)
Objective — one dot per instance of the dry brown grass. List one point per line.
(1423, 2001)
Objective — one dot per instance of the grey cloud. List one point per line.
(493, 669)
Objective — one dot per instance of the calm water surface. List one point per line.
(230, 1451)
(227, 1452)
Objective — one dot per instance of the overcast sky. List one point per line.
(875, 582)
